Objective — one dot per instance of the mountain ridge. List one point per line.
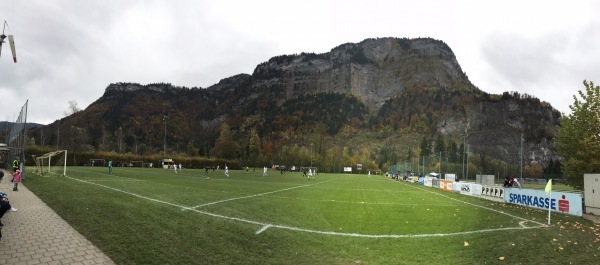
(388, 88)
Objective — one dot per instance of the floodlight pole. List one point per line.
(423, 165)
(440, 169)
(165, 117)
(465, 135)
(521, 157)
(311, 154)
(467, 176)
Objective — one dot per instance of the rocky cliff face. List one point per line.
(503, 125)
(374, 70)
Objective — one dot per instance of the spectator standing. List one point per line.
(16, 164)
(16, 180)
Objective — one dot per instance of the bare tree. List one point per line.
(73, 108)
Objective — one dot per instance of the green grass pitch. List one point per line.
(154, 216)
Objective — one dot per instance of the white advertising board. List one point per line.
(559, 202)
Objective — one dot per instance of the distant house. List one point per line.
(167, 163)
(3, 148)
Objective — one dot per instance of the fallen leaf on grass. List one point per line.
(466, 244)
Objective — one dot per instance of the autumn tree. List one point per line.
(578, 140)
(439, 145)
(534, 169)
(254, 144)
(225, 147)
(453, 153)
(425, 147)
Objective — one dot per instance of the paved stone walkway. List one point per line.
(35, 234)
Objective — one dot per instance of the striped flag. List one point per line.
(549, 186)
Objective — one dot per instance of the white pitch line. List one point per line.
(126, 192)
(256, 195)
(263, 229)
(476, 205)
(292, 228)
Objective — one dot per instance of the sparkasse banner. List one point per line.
(560, 202)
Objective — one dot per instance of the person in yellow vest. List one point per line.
(16, 164)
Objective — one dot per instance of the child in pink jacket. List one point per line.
(16, 179)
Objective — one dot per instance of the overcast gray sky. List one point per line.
(71, 50)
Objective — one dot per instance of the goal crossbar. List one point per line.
(44, 164)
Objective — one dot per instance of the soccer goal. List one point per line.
(51, 164)
(374, 172)
(96, 162)
(136, 164)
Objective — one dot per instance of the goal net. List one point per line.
(51, 164)
(136, 164)
(96, 162)
(374, 172)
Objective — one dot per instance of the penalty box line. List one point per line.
(265, 226)
(255, 195)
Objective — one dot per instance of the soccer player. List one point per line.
(175, 168)
(310, 174)
(265, 172)
(110, 167)
(226, 171)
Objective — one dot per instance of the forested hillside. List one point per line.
(379, 102)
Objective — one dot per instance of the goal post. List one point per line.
(136, 164)
(52, 163)
(97, 162)
(374, 172)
